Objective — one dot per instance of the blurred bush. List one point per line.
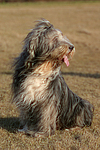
(40, 0)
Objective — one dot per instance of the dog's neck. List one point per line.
(47, 68)
(39, 79)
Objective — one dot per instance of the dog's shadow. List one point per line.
(86, 75)
(10, 124)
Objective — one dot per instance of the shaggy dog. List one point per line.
(44, 100)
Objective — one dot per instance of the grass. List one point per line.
(81, 24)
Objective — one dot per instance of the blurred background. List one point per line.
(80, 22)
(46, 0)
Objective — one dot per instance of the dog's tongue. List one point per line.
(66, 61)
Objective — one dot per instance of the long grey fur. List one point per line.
(44, 100)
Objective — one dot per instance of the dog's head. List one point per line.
(45, 42)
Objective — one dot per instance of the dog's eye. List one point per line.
(45, 27)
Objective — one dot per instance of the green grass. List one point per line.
(49, 3)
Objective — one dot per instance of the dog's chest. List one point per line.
(38, 87)
(35, 84)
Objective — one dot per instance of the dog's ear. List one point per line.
(34, 41)
(30, 43)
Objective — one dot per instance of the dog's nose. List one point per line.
(71, 48)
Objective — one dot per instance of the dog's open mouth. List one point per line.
(65, 60)
(67, 57)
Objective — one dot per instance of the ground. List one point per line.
(80, 22)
